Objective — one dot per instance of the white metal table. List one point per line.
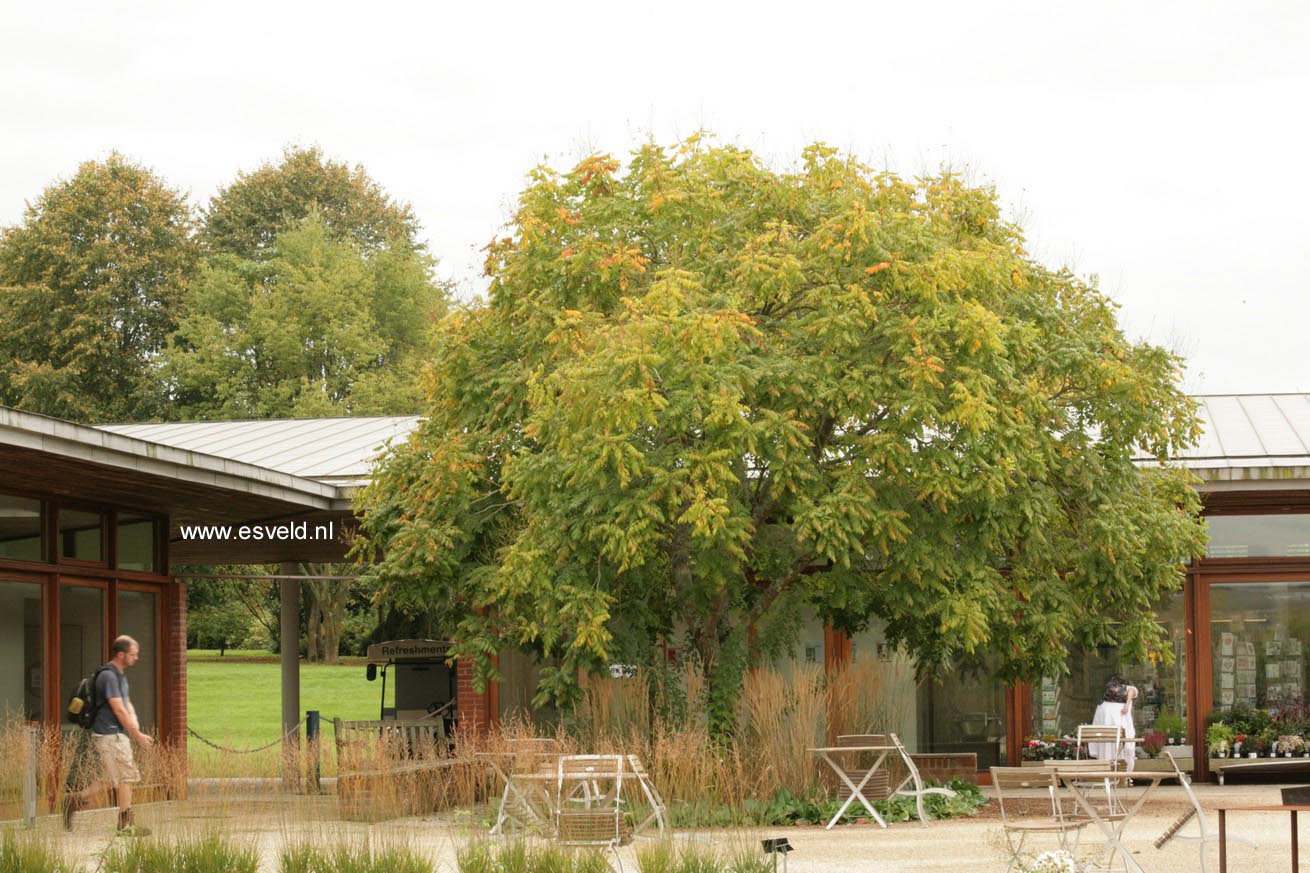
(856, 789)
(1079, 782)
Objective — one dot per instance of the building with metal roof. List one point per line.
(92, 523)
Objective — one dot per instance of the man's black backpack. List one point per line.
(84, 705)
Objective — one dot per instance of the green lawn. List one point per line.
(239, 704)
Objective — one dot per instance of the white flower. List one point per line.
(1054, 862)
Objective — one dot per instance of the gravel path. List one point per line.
(974, 845)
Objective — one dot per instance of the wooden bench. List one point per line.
(1238, 767)
(390, 769)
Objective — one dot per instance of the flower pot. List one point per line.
(1252, 755)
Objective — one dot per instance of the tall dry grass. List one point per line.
(660, 717)
(781, 714)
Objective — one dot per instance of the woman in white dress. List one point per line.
(1116, 709)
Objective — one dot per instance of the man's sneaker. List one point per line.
(72, 803)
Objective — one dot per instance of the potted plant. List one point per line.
(1172, 726)
(1291, 745)
(1218, 738)
(1035, 750)
(1153, 742)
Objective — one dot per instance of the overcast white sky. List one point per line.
(1161, 146)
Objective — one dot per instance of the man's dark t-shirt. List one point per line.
(110, 683)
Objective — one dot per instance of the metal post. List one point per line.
(312, 728)
(30, 747)
(290, 642)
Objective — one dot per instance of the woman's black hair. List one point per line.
(1116, 690)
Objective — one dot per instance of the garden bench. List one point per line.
(387, 769)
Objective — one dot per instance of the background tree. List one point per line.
(244, 218)
(320, 328)
(703, 394)
(89, 288)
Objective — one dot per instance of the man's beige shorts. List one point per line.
(115, 751)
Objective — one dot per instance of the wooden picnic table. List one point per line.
(1224, 809)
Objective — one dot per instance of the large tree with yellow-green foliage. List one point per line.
(704, 396)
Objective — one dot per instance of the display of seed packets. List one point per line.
(1246, 663)
(1248, 693)
(1226, 644)
(1273, 670)
(1226, 665)
(1273, 648)
(1248, 648)
(1226, 680)
(1292, 647)
(1226, 697)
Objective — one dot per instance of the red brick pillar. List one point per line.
(475, 712)
(174, 653)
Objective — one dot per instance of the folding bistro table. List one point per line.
(856, 789)
(1080, 782)
(1223, 829)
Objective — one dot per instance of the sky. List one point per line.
(1158, 146)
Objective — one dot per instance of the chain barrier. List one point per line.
(295, 730)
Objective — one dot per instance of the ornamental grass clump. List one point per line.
(212, 853)
(353, 858)
(524, 857)
(665, 857)
(26, 853)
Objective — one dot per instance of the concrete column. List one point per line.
(290, 642)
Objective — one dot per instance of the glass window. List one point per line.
(82, 645)
(1061, 703)
(1258, 637)
(20, 651)
(963, 710)
(136, 618)
(1258, 536)
(79, 535)
(20, 529)
(885, 674)
(136, 542)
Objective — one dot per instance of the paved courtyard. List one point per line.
(272, 821)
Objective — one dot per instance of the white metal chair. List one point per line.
(1101, 735)
(1206, 835)
(658, 812)
(1017, 829)
(589, 803)
(912, 775)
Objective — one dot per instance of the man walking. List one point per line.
(115, 720)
